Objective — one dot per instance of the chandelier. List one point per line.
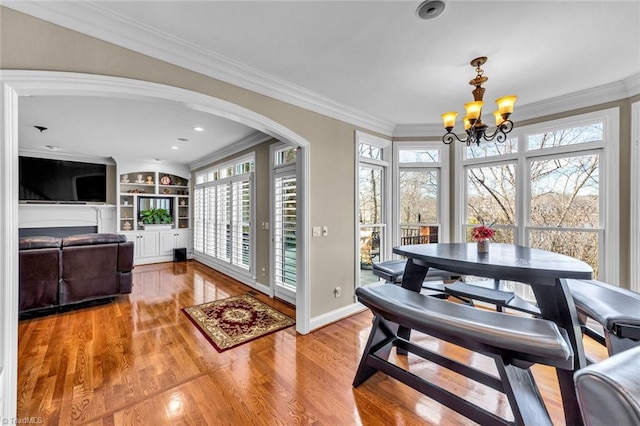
(476, 130)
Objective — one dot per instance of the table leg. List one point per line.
(556, 304)
(412, 279)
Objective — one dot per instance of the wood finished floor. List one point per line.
(139, 360)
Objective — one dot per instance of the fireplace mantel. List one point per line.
(67, 215)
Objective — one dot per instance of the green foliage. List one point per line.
(155, 216)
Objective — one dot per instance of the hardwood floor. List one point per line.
(139, 360)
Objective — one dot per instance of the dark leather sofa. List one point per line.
(57, 272)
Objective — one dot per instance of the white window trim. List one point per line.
(223, 166)
(635, 198)
(444, 184)
(610, 177)
(385, 145)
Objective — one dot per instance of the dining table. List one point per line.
(545, 271)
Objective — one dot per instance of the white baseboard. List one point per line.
(263, 288)
(336, 315)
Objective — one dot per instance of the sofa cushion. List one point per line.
(89, 272)
(91, 239)
(39, 242)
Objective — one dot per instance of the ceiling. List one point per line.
(105, 127)
(369, 61)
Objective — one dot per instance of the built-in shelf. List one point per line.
(158, 189)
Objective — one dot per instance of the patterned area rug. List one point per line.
(235, 320)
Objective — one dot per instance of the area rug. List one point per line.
(235, 320)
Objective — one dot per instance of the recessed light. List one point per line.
(183, 139)
(174, 147)
(52, 147)
(198, 129)
(159, 160)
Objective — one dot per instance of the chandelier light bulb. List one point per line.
(467, 123)
(474, 109)
(449, 119)
(505, 104)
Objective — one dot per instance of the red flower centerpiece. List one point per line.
(482, 234)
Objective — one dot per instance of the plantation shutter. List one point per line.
(210, 221)
(285, 230)
(198, 219)
(242, 223)
(223, 222)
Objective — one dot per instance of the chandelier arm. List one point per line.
(450, 137)
(500, 133)
(506, 126)
(491, 136)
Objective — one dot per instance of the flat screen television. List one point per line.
(47, 180)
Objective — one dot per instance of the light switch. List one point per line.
(325, 231)
(317, 231)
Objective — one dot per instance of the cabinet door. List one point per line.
(184, 239)
(167, 242)
(133, 237)
(147, 244)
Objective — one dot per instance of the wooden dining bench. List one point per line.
(392, 271)
(617, 310)
(513, 342)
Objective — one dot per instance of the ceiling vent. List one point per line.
(430, 9)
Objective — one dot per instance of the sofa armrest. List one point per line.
(125, 256)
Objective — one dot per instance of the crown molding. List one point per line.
(57, 155)
(240, 145)
(417, 130)
(95, 21)
(585, 98)
(633, 85)
(582, 99)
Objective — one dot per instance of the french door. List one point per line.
(284, 233)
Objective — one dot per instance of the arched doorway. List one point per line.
(24, 83)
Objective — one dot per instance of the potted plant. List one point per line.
(154, 218)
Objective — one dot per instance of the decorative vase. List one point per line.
(483, 246)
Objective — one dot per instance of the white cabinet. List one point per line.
(157, 246)
(175, 238)
(145, 245)
(153, 189)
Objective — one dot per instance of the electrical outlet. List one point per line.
(337, 292)
(325, 231)
(317, 231)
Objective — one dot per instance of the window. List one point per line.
(372, 189)
(420, 192)
(223, 214)
(545, 188)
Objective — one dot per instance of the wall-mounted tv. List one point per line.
(47, 180)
